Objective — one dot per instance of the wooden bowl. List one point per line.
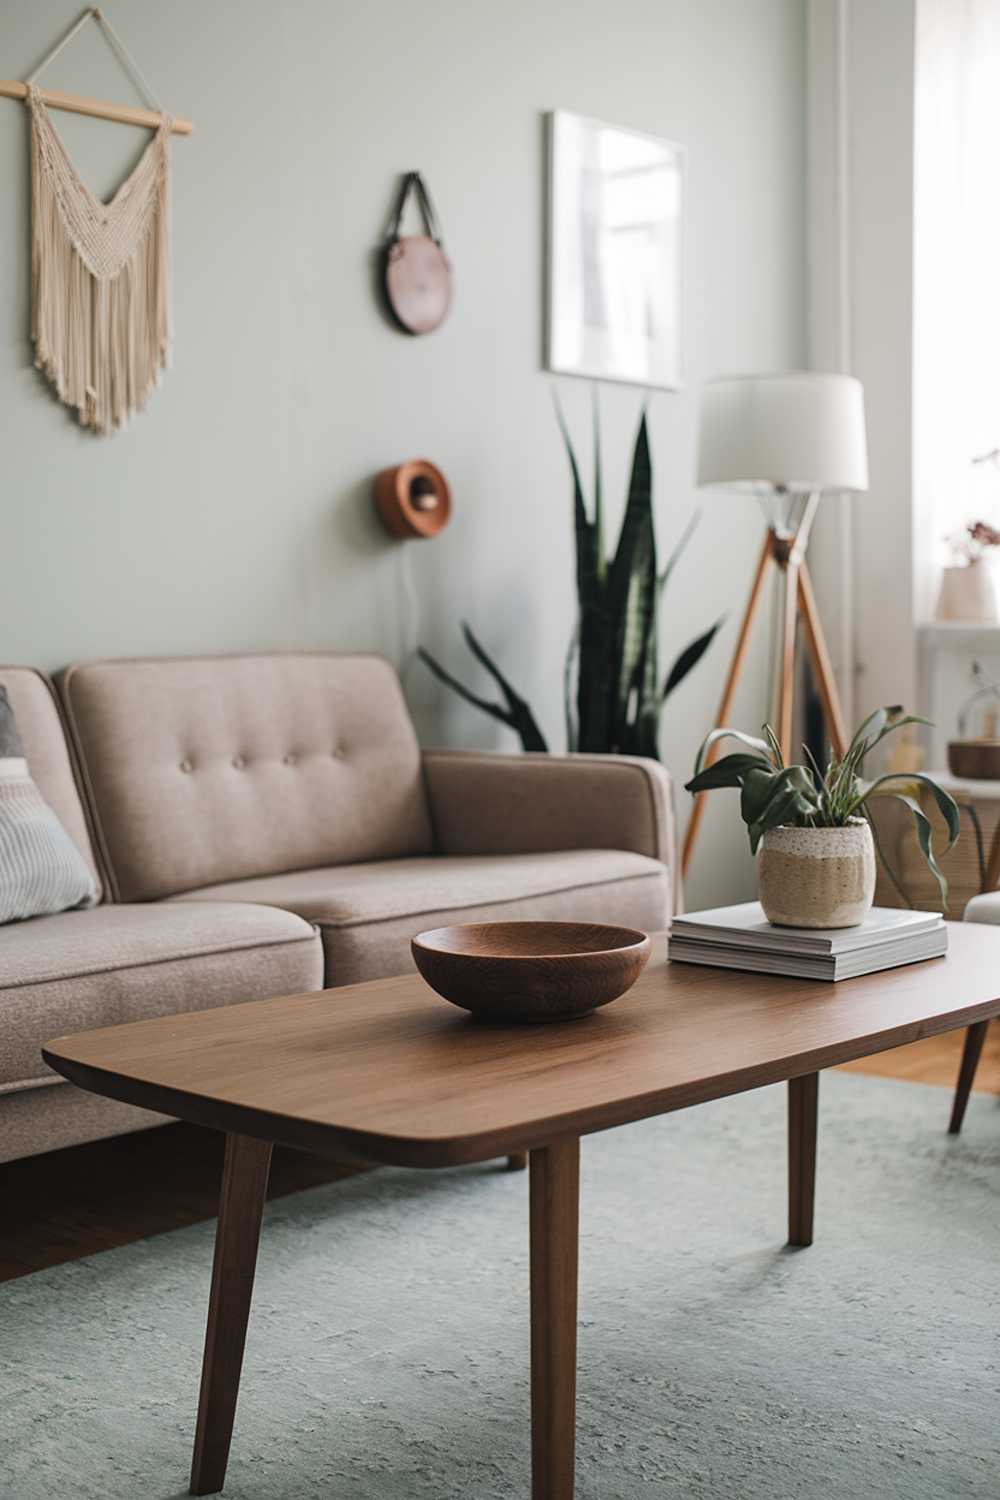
(974, 760)
(531, 971)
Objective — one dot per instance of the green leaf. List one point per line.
(772, 740)
(572, 653)
(925, 840)
(947, 806)
(678, 551)
(443, 675)
(729, 771)
(873, 725)
(764, 791)
(887, 866)
(788, 806)
(637, 521)
(759, 786)
(897, 723)
(631, 593)
(760, 746)
(690, 657)
(516, 715)
(618, 689)
(587, 567)
(636, 627)
(602, 562)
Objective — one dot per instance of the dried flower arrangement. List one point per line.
(972, 542)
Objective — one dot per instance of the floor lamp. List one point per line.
(786, 439)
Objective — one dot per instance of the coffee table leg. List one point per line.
(244, 1183)
(803, 1099)
(975, 1036)
(555, 1215)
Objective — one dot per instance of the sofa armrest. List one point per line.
(529, 803)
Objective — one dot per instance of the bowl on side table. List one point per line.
(531, 971)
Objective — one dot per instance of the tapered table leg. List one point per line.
(803, 1100)
(555, 1214)
(975, 1036)
(244, 1183)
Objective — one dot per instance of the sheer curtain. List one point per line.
(956, 290)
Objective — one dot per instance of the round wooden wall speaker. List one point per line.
(413, 500)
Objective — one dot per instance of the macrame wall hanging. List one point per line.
(100, 272)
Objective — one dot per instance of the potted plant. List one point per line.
(813, 828)
(613, 686)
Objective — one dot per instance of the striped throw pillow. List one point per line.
(41, 869)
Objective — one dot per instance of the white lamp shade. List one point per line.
(800, 432)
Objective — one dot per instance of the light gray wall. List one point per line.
(234, 513)
(861, 67)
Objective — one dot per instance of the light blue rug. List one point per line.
(388, 1351)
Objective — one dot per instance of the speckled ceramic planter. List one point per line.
(817, 877)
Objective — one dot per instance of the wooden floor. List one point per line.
(76, 1202)
(67, 1204)
(936, 1061)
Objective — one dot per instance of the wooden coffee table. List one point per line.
(393, 1074)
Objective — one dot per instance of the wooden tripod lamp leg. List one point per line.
(729, 691)
(820, 657)
(786, 679)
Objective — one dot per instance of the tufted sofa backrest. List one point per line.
(209, 769)
(47, 753)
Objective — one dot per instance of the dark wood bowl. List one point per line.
(531, 971)
(974, 760)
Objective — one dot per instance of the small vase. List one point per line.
(967, 593)
(817, 877)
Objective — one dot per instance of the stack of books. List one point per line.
(741, 937)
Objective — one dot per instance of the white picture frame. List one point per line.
(615, 282)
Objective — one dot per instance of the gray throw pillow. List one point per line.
(41, 869)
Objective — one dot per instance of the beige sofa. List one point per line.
(267, 824)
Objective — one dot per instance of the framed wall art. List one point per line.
(615, 253)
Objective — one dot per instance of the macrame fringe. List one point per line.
(100, 274)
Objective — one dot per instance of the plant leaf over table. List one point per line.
(613, 691)
(807, 796)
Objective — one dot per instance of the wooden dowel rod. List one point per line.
(80, 104)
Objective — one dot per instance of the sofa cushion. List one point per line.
(225, 768)
(37, 1119)
(47, 753)
(83, 969)
(368, 913)
(41, 869)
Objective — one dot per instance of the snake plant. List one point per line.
(613, 691)
(806, 796)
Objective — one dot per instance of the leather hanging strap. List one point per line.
(414, 183)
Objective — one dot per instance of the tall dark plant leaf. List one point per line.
(514, 711)
(690, 657)
(632, 577)
(613, 697)
(680, 548)
(589, 562)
